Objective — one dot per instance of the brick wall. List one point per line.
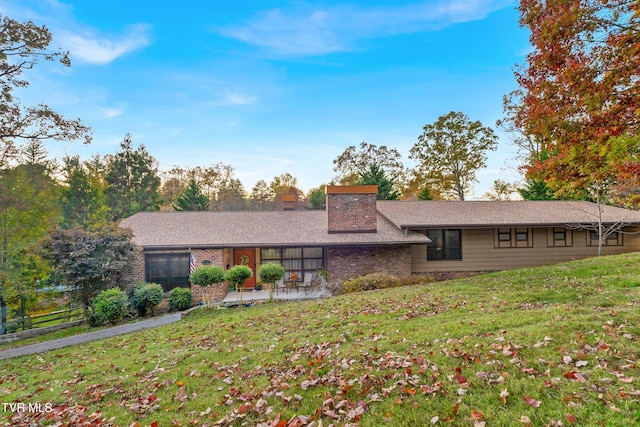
(350, 262)
(352, 209)
(219, 257)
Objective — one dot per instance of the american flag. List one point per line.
(192, 263)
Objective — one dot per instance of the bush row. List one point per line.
(381, 281)
(112, 305)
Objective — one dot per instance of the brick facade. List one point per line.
(352, 209)
(346, 263)
(220, 257)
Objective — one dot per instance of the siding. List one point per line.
(480, 251)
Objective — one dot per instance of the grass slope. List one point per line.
(552, 346)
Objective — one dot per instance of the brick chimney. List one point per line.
(352, 209)
(289, 202)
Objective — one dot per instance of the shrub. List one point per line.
(109, 306)
(380, 281)
(271, 273)
(238, 274)
(145, 297)
(207, 275)
(179, 299)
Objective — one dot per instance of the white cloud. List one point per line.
(235, 98)
(309, 31)
(111, 112)
(101, 50)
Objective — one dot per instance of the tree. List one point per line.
(22, 46)
(84, 203)
(133, 179)
(192, 198)
(451, 150)
(425, 194)
(284, 184)
(317, 198)
(501, 190)
(376, 175)
(222, 187)
(206, 276)
(579, 94)
(89, 262)
(355, 161)
(261, 196)
(271, 273)
(600, 194)
(536, 190)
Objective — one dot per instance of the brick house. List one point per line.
(357, 235)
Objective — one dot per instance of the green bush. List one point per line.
(238, 274)
(109, 306)
(271, 273)
(207, 275)
(145, 297)
(380, 281)
(179, 299)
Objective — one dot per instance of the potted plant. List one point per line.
(271, 273)
(205, 276)
(323, 273)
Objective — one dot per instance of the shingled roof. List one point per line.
(254, 229)
(468, 214)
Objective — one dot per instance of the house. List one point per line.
(357, 235)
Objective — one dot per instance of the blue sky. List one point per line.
(275, 86)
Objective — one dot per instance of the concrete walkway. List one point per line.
(89, 336)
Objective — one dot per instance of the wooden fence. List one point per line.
(42, 320)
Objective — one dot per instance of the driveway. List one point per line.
(89, 336)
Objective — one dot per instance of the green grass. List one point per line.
(529, 347)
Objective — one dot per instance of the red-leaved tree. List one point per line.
(579, 96)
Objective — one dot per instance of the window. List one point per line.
(169, 270)
(445, 244)
(559, 237)
(612, 239)
(296, 261)
(513, 238)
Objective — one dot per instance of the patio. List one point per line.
(264, 295)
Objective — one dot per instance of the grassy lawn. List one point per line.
(548, 346)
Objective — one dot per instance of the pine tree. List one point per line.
(192, 198)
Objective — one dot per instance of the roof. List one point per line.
(254, 229)
(473, 214)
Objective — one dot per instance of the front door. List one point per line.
(246, 257)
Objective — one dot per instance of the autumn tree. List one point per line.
(354, 161)
(22, 46)
(192, 198)
(375, 175)
(579, 93)
(450, 152)
(133, 179)
(284, 184)
(501, 190)
(223, 188)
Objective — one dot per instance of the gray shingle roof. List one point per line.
(448, 214)
(253, 228)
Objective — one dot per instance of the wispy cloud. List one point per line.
(235, 98)
(309, 31)
(94, 49)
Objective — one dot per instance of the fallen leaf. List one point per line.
(503, 396)
(531, 401)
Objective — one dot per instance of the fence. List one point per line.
(41, 320)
